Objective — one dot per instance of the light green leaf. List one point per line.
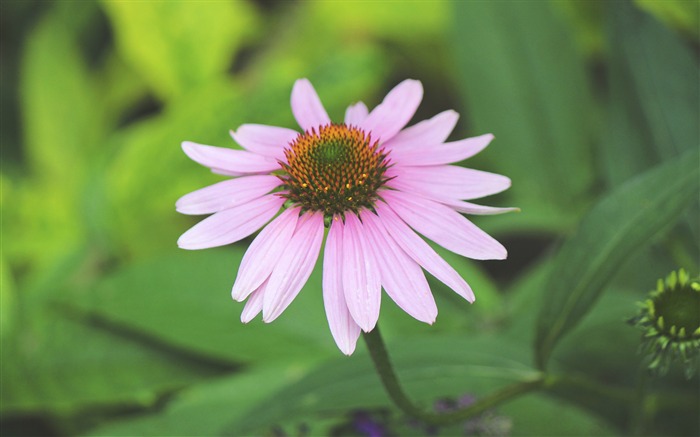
(524, 80)
(177, 46)
(62, 118)
(680, 14)
(623, 222)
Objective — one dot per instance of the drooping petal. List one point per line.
(355, 114)
(254, 304)
(395, 111)
(473, 208)
(231, 225)
(226, 194)
(440, 154)
(444, 226)
(307, 107)
(228, 161)
(421, 252)
(447, 182)
(427, 134)
(264, 140)
(401, 277)
(294, 266)
(361, 281)
(343, 327)
(263, 253)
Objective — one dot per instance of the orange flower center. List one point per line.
(334, 170)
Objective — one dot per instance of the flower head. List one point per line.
(371, 182)
(670, 319)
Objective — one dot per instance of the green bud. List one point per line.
(670, 321)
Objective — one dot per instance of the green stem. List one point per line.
(391, 384)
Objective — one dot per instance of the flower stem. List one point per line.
(391, 384)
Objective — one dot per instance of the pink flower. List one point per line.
(371, 183)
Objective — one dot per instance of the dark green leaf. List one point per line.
(206, 408)
(184, 300)
(665, 74)
(429, 368)
(523, 80)
(620, 224)
(63, 363)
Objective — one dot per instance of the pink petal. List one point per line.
(421, 252)
(226, 194)
(263, 253)
(427, 134)
(444, 226)
(307, 107)
(401, 277)
(228, 161)
(344, 329)
(448, 182)
(473, 208)
(361, 281)
(231, 225)
(439, 154)
(294, 266)
(254, 304)
(264, 140)
(387, 119)
(355, 114)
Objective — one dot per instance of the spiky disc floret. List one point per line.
(335, 169)
(670, 318)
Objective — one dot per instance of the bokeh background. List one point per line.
(109, 329)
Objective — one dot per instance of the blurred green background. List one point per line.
(109, 329)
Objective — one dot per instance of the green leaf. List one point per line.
(665, 73)
(62, 119)
(523, 79)
(206, 408)
(680, 14)
(429, 368)
(177, 46)
(183, 299)
(63, 363)
(620, 224)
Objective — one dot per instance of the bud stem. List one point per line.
(391, 384)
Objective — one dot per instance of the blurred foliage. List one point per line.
(108, 329)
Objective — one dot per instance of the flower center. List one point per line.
(334, 170)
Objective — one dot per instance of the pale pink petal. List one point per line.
(448, 182)
(264, 140)
(307, 107)
(473, 208)
(254, 304)
(343, 327)
(263, 253)
(444, 226)
(226, 194)
(395, 111)
(421, 252)
(401, 277)
(228, 161)
(355, 114)
(361, 281)
(426, 135)
(231, 225)
(438, 154)
(294, 266)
